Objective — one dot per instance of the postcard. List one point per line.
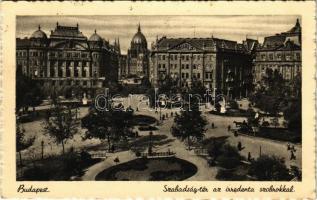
(158, 99)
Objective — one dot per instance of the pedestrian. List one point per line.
(288, 147)
(293, 148)
(293, 157)
(236, 133)
(229, 127)
(240, 146)
(116, 160)
(212, 125)
(249, 156)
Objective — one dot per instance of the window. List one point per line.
(187, 57)
(159, 66)
(175, 57)
(163, 57)
(194, 66)
(207, 76)
(182, 66)
(279, 56)
(183, 75)
(187, 66)
(187, 75)
(198, 75)
(67, 72)
(271, 56)
(84, 83)
(159, 57)
(298, 56)
(68, 55)
(198, 57)
(182, 57)
(172, 57)
(84, 73)
(75, 72)
(263, 56)
(163, 66)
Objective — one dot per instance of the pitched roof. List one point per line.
(289, 45)
(25, 42)
(67, 31)
(199, 43)
(274, 41)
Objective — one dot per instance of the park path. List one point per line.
(91, 173)
(204, 172)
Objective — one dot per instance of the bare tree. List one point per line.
(62, 125)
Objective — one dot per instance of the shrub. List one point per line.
(269, 168)
(229, 175)
(228, 162)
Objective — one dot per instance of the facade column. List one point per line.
(48, 69)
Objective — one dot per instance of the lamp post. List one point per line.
(215, 89)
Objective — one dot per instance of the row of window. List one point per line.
(77, 82)
(280, 56)
(194, 75)
(84, 73)
(56, 54)
(70, 55)
(182, 57)
(184, 66)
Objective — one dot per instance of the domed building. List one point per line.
(68, 61)
(137, 57)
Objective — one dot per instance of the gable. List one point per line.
(184, 46)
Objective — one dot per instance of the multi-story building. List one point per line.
(68, 59)
(138, 56)
(281, 52)
(221, 65)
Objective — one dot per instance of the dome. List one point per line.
(39, 34)
(95, 37)
(139, 38)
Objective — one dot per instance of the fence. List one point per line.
(158, 154)
(201, 152)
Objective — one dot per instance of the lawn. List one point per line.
(56, 168)
(149, 169)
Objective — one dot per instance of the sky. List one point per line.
(235, 28)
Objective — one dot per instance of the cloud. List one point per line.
(125, 26)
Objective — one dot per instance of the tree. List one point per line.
(269, 168)
(22, 142)
(190, 123)
(111, 125)
(294, 116)
(62, 125)
(28, 92)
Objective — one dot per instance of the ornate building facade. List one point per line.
(138, 56)
(68, 59)
(223, 66)
(281, 52)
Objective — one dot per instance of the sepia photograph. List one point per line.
(158, 98)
